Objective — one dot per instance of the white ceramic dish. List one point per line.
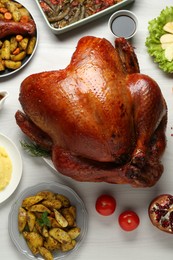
(14, 154)
(127, 25)
(85, 20)
(49, 162)
(25, 61)
(3, 95)
(75, 200)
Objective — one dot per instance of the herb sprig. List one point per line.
(34, 150)
(44, 221)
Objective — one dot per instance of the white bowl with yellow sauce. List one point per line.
(10, 167)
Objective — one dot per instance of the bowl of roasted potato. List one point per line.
(18, 37)
(48, 221)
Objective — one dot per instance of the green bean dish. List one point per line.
(61, 13)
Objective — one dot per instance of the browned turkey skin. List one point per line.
(101, 119)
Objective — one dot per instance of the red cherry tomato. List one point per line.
(128, 220)
(161, 212)
(105, 205)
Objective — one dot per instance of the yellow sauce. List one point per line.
(5, 168)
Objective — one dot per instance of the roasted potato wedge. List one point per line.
(34, 239)
(13, 44)
(45, 253)
(52, 244)
(31, 218)
(72, 210)
(60, 235)
(74, 232)
(68, 216)
(39, 208)
(13, 65)
(5, 50)
(45, 231)
(32, 200)
(68, 246)
(19, 56)
(31, 45)
(33, 249)
(22, 219)
(60, 219)
(37, 228)
(52, 204)
(53, 222)
(65, 201)
(24, 43)
(47, 195)
(2, 67)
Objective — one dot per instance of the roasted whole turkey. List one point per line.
(99, 117)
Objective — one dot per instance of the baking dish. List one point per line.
(84, 20)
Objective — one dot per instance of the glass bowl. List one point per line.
(81, 218)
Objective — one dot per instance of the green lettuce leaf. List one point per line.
(155, 28)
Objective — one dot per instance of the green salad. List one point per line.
(153, 43)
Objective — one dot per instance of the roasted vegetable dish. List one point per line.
(17, 35)
(47, 221)
(61, 13)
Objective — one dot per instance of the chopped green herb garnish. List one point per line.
(34, 150)
(44, 221)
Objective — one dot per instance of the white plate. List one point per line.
(81, 217)
(15, 157)
(49, 162)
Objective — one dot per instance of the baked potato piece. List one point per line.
(74, 232)
(60, 219)
(18, 57)
(33, 249)
(45, 231)
(47, 195)
(53, 222)
(52, 244)
(5, 51)
(65, 201)
(52, 204)
(24, 43)
(59, 234)
(31, 45)
(37, 228)
(32, 200)
(31, 218)
(13, 44)
(68, 216)
(45, 253)
(22, 219)
(39, 208)
(72, 210)
(34, 240)
(68, 246)
(13, 65)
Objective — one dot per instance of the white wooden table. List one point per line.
(105, 239)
